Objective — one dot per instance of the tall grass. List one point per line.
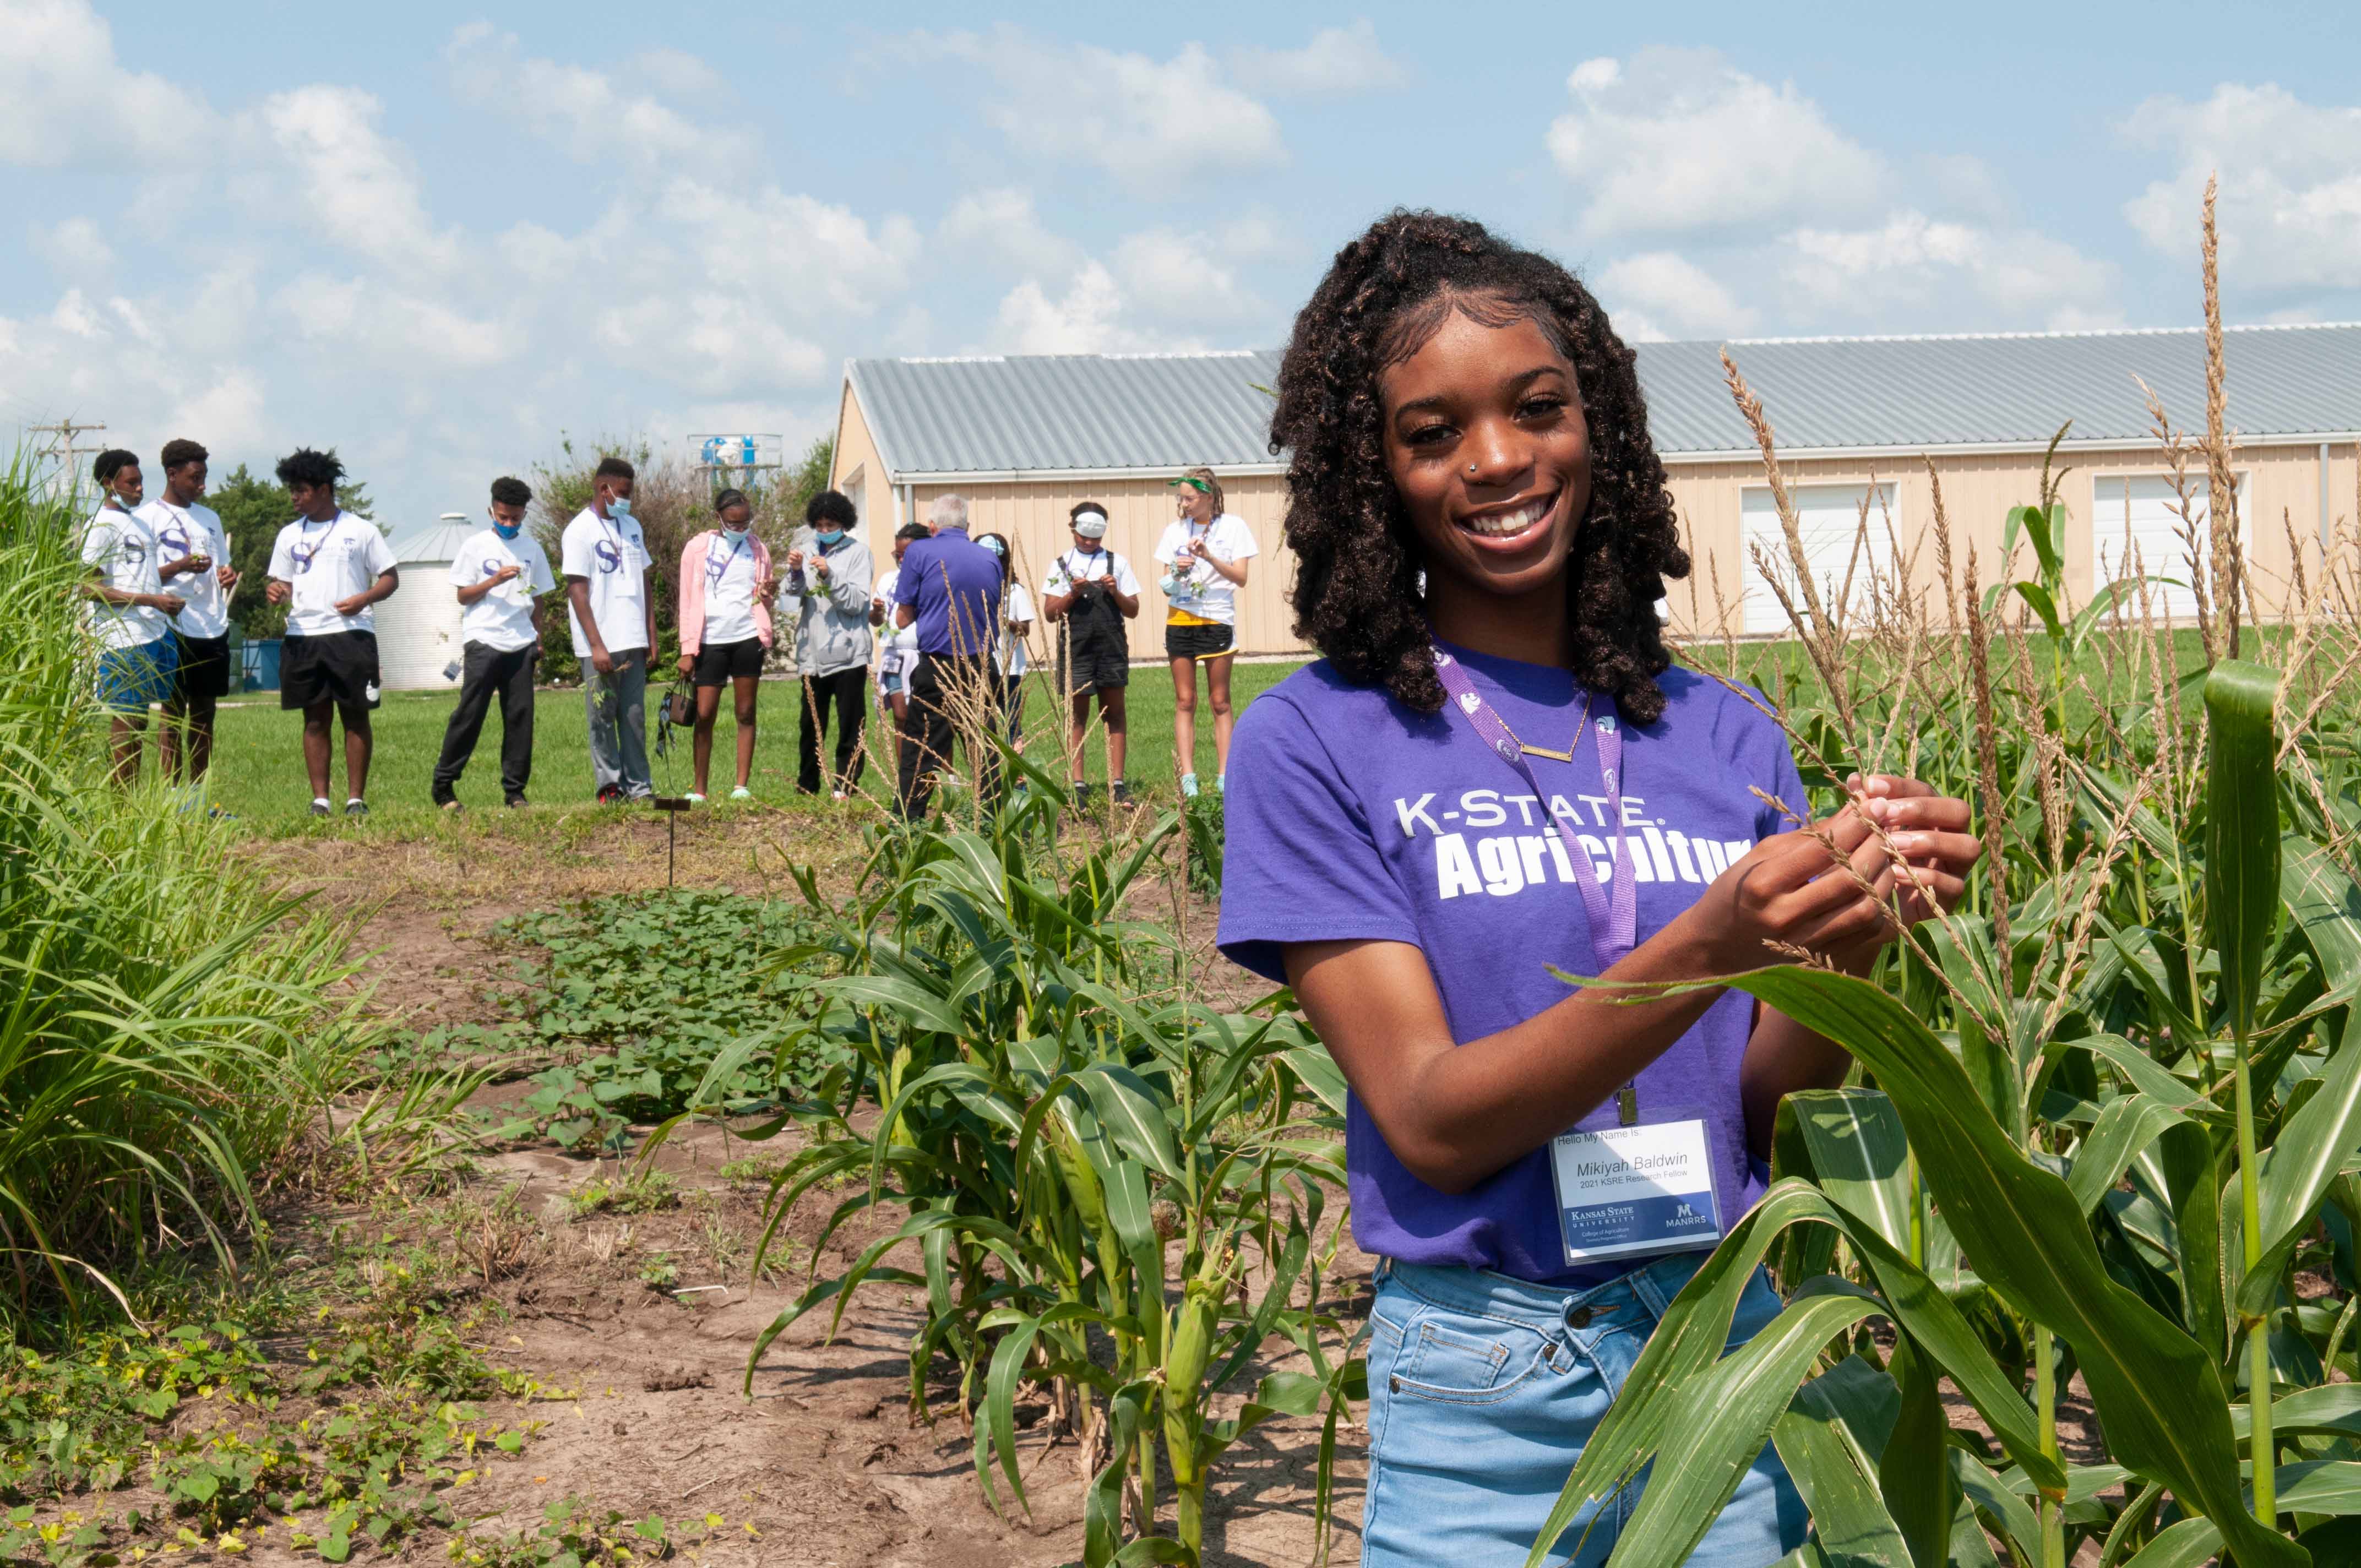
(167, 1025)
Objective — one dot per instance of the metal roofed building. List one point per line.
(1024, 437)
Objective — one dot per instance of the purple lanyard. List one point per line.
(1614, 911)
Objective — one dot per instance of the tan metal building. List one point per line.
(1025, 437)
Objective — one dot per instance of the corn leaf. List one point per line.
(2242, 830)
(2159, 1392)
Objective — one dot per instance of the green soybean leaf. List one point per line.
(1725, 1417)
(2158, 1393)
(2242, 829)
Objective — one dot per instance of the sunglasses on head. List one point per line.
(1193, 482)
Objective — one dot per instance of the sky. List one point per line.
(445, 242)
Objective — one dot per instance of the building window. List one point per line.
(856, 489)
(2137, 526)
(1842, 556)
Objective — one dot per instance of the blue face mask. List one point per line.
(733, 534)
(831, 537)
(508, 530)
(620, 506)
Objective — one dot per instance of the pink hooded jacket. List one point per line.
(692, 589)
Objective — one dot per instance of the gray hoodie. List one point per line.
(833, 618)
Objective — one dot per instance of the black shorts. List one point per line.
(718, 663)
(1095, 664)
(333, 666)
(1199, 641)
(204, 669)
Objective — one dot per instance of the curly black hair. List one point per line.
(831, 506)
(510, 491)
(305, 467)
(1358, 596)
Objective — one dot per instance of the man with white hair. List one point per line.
(950, 591)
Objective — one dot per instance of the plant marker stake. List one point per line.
(671, 805)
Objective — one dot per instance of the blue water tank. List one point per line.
(260, 666)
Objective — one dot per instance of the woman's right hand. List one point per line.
(688, 663)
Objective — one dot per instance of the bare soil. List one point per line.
(818, 1459)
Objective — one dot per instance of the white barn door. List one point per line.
(2135, 527)
(1829, 517)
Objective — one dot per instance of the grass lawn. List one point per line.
(258, 771)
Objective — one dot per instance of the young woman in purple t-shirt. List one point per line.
(1478, 513)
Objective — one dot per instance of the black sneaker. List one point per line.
(359, 809)
(446, 801)
(517, 802)
(319, 808)
(1082, 793)
(1120, 793)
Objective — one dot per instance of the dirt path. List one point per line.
(824, 1463)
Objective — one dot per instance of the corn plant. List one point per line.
(1116, 1191)
(2103, 1129)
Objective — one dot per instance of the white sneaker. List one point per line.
(1189, 786)
(694, 798)
(742, 793)
(836, 794)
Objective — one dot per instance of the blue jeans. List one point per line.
(1483, 1390)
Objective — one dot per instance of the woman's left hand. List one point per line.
(1932, 834)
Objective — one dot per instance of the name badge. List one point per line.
(1633, 1191)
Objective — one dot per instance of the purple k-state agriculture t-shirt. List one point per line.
(1351, 818)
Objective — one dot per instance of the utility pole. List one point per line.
(61, 451)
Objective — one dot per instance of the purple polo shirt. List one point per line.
(1349, 816)
(955, 584)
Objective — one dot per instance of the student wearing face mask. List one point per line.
(604, 556)
(500, 576)
(726, 589)
(832, 637)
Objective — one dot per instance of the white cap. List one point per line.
(1090, 524)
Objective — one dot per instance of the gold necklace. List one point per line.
(1564, 756)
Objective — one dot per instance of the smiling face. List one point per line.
(1485, 438)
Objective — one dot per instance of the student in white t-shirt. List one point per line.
(130, 613)
(196, 568)
(1205, 552)
(604, 558)
(897, 649)
(500, 575)
(726, 633)
(1008, 656)
(329, 567)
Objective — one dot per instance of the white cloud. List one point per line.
(365, 318)
(1678, 140)
(340, 179)
(72, 247)
(2290, 210)
(583, 113)
(67, 103)
(1181, 275)
(1660, 294)
(1149, 123)
(1914, 266)
(1089, 317)
(1001, 225)
(1337, 60)
(679, 74)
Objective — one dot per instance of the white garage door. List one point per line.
(2135, 527)
(1829, 517)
